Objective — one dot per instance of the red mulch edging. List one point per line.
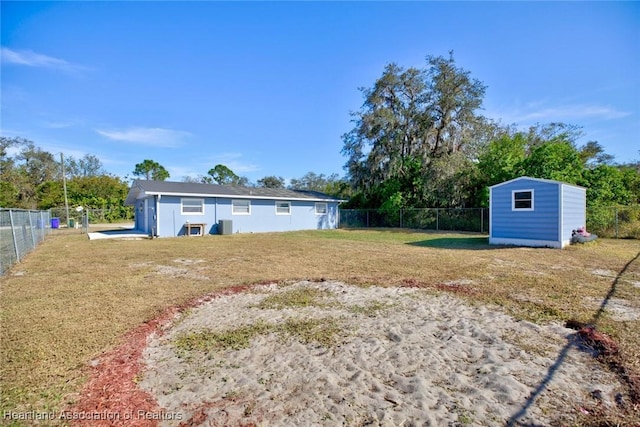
(112, 397)
(608, 352)
(452, 288)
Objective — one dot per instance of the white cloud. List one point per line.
(543, 113)
(179, 172)
(60, 124)
(11, 133)
(33, 59)
(573, 112)
(158, 137)
(200, 167)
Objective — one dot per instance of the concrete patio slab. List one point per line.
(118, 234)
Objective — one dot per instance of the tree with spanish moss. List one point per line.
(417, 131)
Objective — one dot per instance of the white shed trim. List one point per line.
(527, 242)
(524, 190)
(157, 215)
(548, 181)
(560, 212)
(490, 212)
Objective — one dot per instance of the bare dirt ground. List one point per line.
(378, 356)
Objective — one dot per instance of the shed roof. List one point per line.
(548, 181)
(143, 188)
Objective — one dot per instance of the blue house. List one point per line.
(168, 209)
(535, 212)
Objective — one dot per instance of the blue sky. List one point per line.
(266, 88)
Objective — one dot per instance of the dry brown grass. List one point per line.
(72, 299)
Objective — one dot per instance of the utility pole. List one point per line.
(64, 186)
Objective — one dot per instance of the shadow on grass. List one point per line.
(457, 242)
(574, 342)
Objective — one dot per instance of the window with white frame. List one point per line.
(192, 206)
(321, 208)
(522, 200)
(241, 207)
(283, 208)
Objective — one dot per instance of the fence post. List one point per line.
(33, 237)
(13, 234)
(43, 230)
(437, 220)
(481, 221)
(400, 218)
(367, 218)
(85, 222)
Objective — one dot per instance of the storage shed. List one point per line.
(167, 209)
(535, 212)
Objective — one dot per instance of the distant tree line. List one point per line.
(311, 181)
(419, 140)
(31, 178)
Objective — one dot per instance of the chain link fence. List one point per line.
(20, 232)
(93, 216)
(453, 219)
(620, 222)
(612, 222)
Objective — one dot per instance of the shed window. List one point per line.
(321, 208)
(192, 206)
(241, 207)
(522, 200)
(283, 208)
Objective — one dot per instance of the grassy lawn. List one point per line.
(71, 299)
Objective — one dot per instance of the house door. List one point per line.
(149, 217)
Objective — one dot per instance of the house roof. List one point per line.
(548, 181)
(143, 188)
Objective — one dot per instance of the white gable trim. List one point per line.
(548, 181)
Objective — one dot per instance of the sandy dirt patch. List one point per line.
(604, 273)
(400, 356)
(189, 268)
(619, 309)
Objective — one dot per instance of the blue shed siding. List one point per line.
(574, 210)
(558, 208)
(541, 223)
(263, 216)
